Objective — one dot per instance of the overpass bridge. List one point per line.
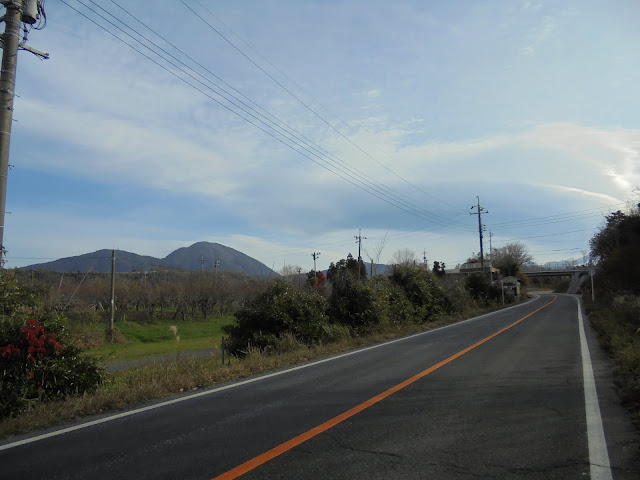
(576, 276)
(568, 272)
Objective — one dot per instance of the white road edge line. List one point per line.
(237, 384)
(600, 464)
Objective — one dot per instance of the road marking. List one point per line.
(598, 453)
(294, 442)
(237, 384)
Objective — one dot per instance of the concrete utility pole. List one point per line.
(479, 212)
(315, 255)
(359, 239)
(17, 12)
(12, 20)
(490, 256)
(215, 271)
(112, 307)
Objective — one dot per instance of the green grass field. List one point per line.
(145, 340)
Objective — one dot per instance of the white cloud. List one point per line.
(580, 191)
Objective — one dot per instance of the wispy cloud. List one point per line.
(581, 191)
(539, 35)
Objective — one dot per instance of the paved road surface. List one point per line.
(513, 406)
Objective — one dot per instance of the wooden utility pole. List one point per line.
(12, 20)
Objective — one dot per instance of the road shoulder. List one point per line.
(623, 438)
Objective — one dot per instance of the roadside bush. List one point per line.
(15, 300)
(352, 302)
(618, 326)
(458, 297)
(423, 291)
(38, 364)
(395, 307)
(481, 289)
(280, 309)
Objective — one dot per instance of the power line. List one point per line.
(364, 186)
(549, 235)
(380, 192)
(320, 117)
(558, 218)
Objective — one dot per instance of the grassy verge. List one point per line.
(144, 340)
(619, 333)
(130, 387)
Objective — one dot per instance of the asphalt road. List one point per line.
(513, 406)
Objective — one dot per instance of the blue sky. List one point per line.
(532, 106)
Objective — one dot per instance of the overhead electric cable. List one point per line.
(547, 235)
(561, 217)
(287, 128)
(362, 185)
(320, 117)
(365, 185)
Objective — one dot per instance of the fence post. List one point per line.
(223, 351)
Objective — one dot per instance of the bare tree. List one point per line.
(377, 252)
(510, 258)
(293, 275)
(290, 270)
(404, 256)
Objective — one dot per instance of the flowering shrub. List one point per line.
(36, 365)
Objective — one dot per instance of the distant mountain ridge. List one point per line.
(200, 255)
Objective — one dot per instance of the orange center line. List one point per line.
(294, 442)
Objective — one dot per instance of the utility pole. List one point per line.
(424, 259)
(17, 11)
(112, 307)
(479, 211)
(12, 20)
(215, 271)
(359, 239)
(315, 255)
(490, 245)
(490, 257)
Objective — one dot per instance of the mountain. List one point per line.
(191, 258)
(197, 256)
(99, 261)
